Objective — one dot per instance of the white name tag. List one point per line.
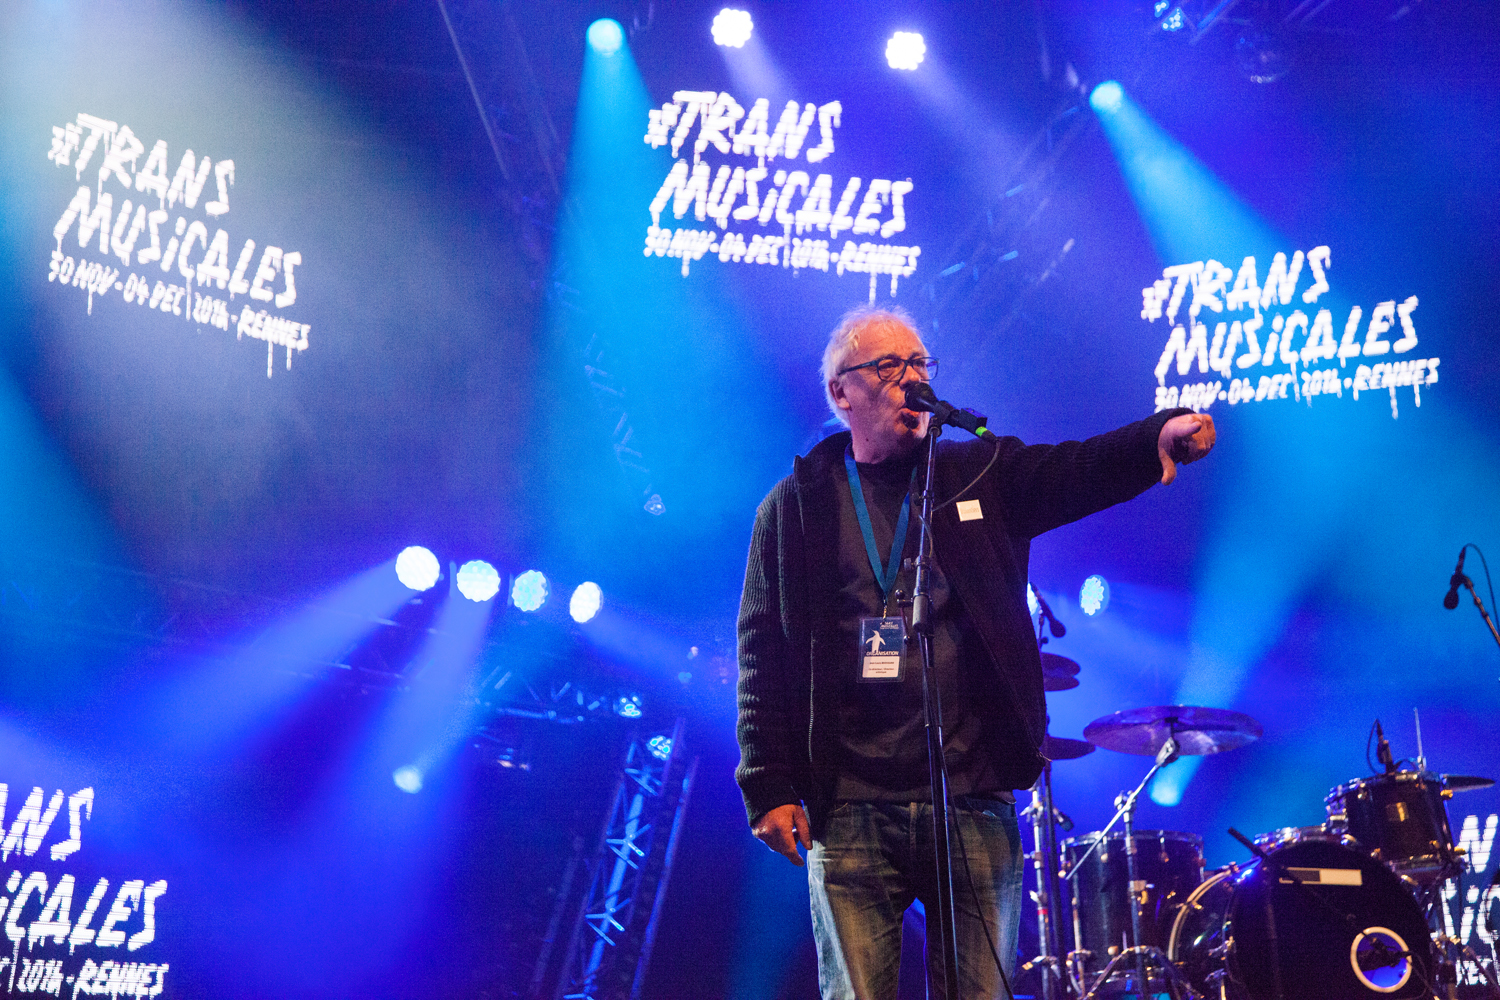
(968, 510)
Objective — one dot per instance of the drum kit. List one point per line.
(1327, 912)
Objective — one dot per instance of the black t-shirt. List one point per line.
(882, 736)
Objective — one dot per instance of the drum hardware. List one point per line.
(1143, 955)
(1044, 816)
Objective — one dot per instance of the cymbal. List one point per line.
(1062, 748)
(1466, 782)
(1054, 664)
(1198, 730)
(1058, 673)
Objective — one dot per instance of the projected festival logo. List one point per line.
(1265, 347)
(65, 935)
(158, 263)
(765, 214)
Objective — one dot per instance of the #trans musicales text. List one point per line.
(40, 913)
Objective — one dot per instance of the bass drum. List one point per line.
(1350, 931)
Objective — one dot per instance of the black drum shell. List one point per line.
(1223, 931)
(1168, 861)
(1399, 818)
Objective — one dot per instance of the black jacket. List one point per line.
(788, 621)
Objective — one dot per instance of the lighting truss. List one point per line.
(614, 929)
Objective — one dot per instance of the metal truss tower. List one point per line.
(610, 947)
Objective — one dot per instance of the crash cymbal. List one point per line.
(1062, 748)
(1054, 664)
(1198, 730)
(1058, 673)
(1466, 782)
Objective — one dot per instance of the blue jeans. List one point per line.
(875, 858)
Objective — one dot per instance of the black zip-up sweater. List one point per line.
(788, 621)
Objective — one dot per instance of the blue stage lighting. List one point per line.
(1107, 97)
(628, 706)
(587, 598)
(732, 28)
(417, 568)
(408, 779)
(606, 36)
(660, 747)
(1031, 602)
(478, 581)
(529, 592)
(1093, 596)
(905, 50)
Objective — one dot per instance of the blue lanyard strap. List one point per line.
(887, 580)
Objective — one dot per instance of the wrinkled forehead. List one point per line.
(882, 337)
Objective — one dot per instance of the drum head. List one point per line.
(1350, 931)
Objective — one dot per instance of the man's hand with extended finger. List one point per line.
(782, 829)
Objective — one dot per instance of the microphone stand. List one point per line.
(937, 772)
(1480, 605)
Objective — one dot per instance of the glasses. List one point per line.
(894, 369)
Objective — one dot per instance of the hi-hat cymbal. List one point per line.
(1466, 782)
(1054, 664)
(1062, 748)
(1197, 730)
(1058, 673)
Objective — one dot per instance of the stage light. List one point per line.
(606, 36)
(478, 581)
(628, 706)
(417, 568)
(529, 592)
(1093, 596)
(905, 50)
(1031, 602)
(408, 779)
(660, 747)
(1107, 97)
(1175, 20)
(732, 28)
(587, 598)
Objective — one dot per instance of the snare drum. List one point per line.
(1400, 819)
(1351, 931)
(1168, 862)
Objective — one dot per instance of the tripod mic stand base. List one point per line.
(1176, 985)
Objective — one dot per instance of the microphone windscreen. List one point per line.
(919, 396)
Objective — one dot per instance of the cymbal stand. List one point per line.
(1143, 955)
(1044, 837)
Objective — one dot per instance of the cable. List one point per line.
(975, 481)
(974, 892)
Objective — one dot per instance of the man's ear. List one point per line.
(840, 398)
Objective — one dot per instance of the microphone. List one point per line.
(920, 397)
(1058, 628)
(1383, 750)
(1450, 600)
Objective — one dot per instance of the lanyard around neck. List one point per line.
(885, 580)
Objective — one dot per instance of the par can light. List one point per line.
(606, 36)
(905, 50)
(586, 601)
(732, 28)
(478, 581)
(529, 592)
(1093, 596)
(417, 568)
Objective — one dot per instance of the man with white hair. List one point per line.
(831, 727)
